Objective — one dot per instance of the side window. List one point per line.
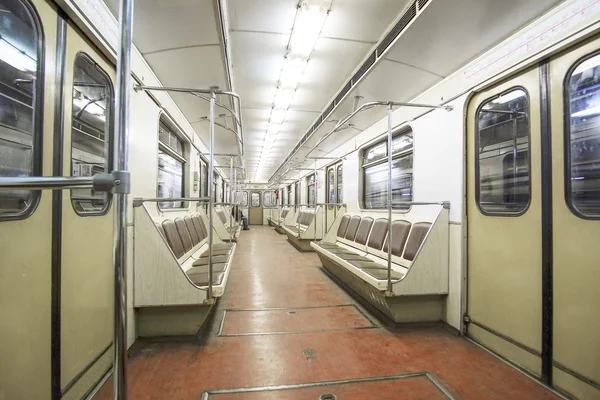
(242, 199)
(171, 164)
(90, 132)
(215, 187)
(502, 162)
(203, 180)
(21, 101)
(375, 172)
(331, 186)
(255, 199)
(269, 198)
(289, 196)
(297, 193)
(311, 185)
(582, 138)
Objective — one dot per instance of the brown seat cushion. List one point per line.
(343, 226)
(200, 227)
(202, 279)
(362, 234)
(415, 239)
(189, 222)
(216, 259)
(184, 234)
(173, 238)
(352, 227)
(216, 252)
(400, 230)
(378, 234)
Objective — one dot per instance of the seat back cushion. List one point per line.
(362, 234)
(352, 227)
(197, 220)
(378, 234)
(184, 234)
(417, 235)
(189, 222)
(160, 229)
(400, 231)
(172, 235)
(343, 226)
(284, 213)
(203, 227)
(222, 216)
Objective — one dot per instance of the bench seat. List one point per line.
(357, 252)
(306, 227)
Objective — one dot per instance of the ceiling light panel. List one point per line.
(307, 27)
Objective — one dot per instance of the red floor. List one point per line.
(315, 336)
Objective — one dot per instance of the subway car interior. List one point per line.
(299, 199)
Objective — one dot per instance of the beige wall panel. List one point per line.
(25, 265)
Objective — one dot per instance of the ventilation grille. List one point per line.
(344, 91)
(364, 68)
(406, 19)
(408, 16)
(422, 4)
(328, 110)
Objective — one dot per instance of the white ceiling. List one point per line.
(259, 44)
(180, 41)
(446, 36)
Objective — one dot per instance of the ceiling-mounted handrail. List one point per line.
(212, 91)
(367, 106)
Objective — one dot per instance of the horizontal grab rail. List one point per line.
(446, 204)
(138, 201)
(332, 204)
(98, 182)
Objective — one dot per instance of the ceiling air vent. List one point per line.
(408, 16)
(422, 3)
(364, 68)
(328, 111)
(345, 90)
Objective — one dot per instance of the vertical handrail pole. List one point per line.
(315, 186)
(121, 153)
(231, 200)
(389, 198)
(211, 166)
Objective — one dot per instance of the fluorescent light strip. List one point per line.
(307, 28)
(277, 116)
(293, 68)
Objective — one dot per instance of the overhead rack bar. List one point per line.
(212, 92)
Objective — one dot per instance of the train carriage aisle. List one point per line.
(285, 330)
(299, 199)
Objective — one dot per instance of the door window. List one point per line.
(502, 159)
(582, 138)
(255, 199)
(21, 95)
(90, 132)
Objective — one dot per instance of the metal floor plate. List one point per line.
(280, 321)
(419, 386)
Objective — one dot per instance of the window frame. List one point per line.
(109, 149)
(340, 193)
(308, 187)
(401, 131)
(259, 199)
(264, 200)
(173, 154)
(567, 162)
(477, 161)
(37, 135)
(244, 193)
